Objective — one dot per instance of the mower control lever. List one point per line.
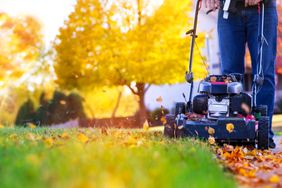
(191, 33)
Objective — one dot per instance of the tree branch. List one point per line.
(132, 90)
(148, 87)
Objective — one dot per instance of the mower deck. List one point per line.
(240, 130)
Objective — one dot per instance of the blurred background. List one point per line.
(102, 62)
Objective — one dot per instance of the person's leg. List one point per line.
(232, 42)
(266, 94)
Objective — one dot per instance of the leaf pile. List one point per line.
(252, 168)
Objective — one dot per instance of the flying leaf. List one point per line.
(159, 99)
(64, 135)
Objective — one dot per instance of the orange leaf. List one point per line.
(82, 138)
(31, 125)
(163, 120)
(49, 141)
(230, 127)
(211, 131)
(274, 179)
(146, 126)
(211, 140)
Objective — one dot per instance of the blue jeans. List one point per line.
(241, 29)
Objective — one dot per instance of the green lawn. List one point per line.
(118, 158)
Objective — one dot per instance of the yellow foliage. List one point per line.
(141, 48)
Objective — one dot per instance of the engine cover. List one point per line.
(218, 108)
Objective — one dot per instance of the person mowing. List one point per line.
(241, 29)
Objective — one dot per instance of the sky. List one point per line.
(51, 13)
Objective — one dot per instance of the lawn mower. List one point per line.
(222, 110)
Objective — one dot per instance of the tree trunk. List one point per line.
(140, 91)
(117, 105)
(142, 113)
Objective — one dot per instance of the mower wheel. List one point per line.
(263, 130)
(180, 108)
(179, 132)
(169, 127)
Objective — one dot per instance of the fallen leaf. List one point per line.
(163, 120)
(49, 141)
(13, 136)
(211, 140)
(31, 137)
(211, 131)
(82, 138)
(274, 179)
(230, 127)
(64, 135)
(31, 125)
(146, 125)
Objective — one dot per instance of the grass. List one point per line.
(115, 158)
(278, 133)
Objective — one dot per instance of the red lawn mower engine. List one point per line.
(222, 96)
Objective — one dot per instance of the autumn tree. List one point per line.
(130, 43)
(20, 49)
(20, 42)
